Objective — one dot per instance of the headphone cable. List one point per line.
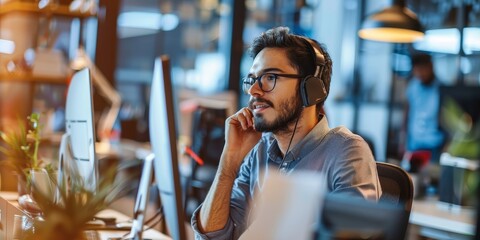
(288, 148)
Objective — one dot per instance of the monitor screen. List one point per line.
(80, 135)
(164, 145)
(347, 217)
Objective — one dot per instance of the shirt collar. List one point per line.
(305, 146)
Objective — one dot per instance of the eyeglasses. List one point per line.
(266, 81)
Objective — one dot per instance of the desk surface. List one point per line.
(106, 234)
(436, 215)
(11, 198)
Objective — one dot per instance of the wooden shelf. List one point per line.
(50, 10)
(29, 78)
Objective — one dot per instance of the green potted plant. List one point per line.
(464, 132)
(20, 151)
(69, 217)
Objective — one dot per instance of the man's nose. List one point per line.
(255, 89)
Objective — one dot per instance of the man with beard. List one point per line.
(282, 129)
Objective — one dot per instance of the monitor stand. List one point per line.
(67, 167)
(142, 199)
(65, 157)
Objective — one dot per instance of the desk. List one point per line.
(437, 221)
(9, 208)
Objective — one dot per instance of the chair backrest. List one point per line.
(208, 134)
(208, 139)
(397, 185)
(344, 217)
(353, 217)
(397, 188)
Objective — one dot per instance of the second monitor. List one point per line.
(77, 149)
(163, 139)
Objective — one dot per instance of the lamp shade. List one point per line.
(395, 24)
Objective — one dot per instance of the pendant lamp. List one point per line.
(396, 24)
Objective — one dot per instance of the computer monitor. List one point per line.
(347, 217)
(77, 149)
(452, 172)
(163, 140)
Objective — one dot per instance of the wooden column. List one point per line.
(106, 49)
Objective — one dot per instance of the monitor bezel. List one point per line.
(79, 108)
(163, 139)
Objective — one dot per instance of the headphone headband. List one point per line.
(317, 57)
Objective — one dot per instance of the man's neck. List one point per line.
(429, 81)
(304, 126)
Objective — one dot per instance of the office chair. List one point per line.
(397, 188)
(208, 138)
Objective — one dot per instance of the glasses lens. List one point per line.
(268, 82)
(247, 84)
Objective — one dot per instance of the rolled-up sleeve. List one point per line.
(239, 205)
(220, 234)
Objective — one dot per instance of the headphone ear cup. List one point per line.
(312, 91)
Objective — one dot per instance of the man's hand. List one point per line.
(240, 137)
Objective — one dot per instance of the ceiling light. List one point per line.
(170, 21)
(395, 24)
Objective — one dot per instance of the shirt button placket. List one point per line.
(283, 168)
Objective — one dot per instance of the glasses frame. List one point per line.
(250, 80)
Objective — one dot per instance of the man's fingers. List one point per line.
(243, 120)
(249, 115)
(244, 117)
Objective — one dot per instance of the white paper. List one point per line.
(288, 207)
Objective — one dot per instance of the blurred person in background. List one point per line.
(423, 136)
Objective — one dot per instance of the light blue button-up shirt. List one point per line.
(344, 158)
(423, 118)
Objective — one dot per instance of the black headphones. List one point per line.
(312, 87)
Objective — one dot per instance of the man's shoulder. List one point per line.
(342, 131)
(342, 134)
